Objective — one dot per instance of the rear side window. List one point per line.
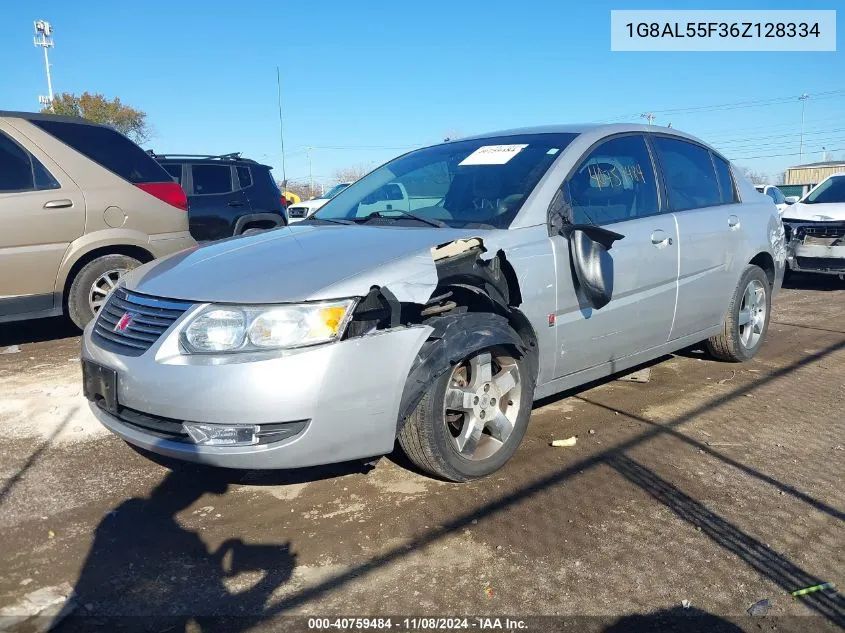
(727, 188)
(210, 179)
(690, 175)
(20, 170)
(175, 171)
(107, 148)
(614, 182)
(244, 177)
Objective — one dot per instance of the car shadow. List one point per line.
(37, 331)
(816, 282)
(676, 619)
(145, 571)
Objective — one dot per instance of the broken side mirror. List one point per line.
(591, 263)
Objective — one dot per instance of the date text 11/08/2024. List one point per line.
(418, 624)
(723, 29)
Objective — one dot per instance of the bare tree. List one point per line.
(756, 177)
(351, 174)
(303, 189)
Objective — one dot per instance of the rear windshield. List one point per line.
(108, 148)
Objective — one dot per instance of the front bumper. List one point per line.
(815, 246)
(349, 392)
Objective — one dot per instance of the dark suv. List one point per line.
(227, 195)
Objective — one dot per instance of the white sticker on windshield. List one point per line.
(492, 155)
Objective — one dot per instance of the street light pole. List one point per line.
(803, 99)
(44, 39)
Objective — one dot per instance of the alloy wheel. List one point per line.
(482, 404)
(102, 286)
(752, 314)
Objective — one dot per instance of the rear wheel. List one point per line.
(472, 419)
(747, 319)
(92, 283)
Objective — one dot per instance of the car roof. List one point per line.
(222, 159)
(43, 116)
(600, 129)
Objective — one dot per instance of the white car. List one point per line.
(815, 229)
(306, 208)
(781, 201)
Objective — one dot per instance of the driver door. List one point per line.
(615, 187)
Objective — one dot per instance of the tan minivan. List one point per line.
(80, 204)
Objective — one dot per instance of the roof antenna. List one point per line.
(670, 124)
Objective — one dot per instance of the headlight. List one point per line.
(254, 328)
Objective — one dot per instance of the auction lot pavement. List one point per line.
(714, 483)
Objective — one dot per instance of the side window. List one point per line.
(779, 197)
(210, 179)
(724, 175)
(20, 171)
(244, 177)
(771, 193)
(614, 182)
(690, 175)
(175, 171)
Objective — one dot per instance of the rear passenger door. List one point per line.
(701, 193)
(41, 212)
(216, 201)
(614, 186)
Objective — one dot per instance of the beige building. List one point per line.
(812, 173)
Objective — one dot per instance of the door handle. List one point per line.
(58, 204)
(235, 203)
(659, 239)
(733, 223)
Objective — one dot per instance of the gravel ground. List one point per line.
(713, 485)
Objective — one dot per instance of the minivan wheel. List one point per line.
(92, 283)
(747, 319)
(472, 419)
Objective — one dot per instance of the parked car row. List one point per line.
(306, 208)
(227, 195)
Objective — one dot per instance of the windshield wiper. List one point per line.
(332, 220)
(378, 214)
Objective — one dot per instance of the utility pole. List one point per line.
(803, 99)
(648, 115)
(308, 151)
(281, 127)
(44, 39)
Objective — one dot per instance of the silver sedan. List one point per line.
(433, 300)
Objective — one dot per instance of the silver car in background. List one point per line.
(519, 264)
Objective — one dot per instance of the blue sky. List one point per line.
(363, 81)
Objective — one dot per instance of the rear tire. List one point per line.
(747, 318)
(436, 429)
(88, 290)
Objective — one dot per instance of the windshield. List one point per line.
(831, 190)
(331, 193)
(481, 182)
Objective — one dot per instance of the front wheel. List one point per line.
(747, 319)
(472, 419)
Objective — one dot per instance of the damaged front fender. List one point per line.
(453, 338)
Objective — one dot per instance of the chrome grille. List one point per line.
(151, 316)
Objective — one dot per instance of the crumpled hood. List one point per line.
(828, 212)
(300, 263)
